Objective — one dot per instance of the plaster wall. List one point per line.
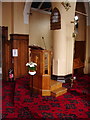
(38, 27)
(1, 13)
(39, 30)
(7, 16)
(13, 18)
(18, 21)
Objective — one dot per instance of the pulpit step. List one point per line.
(58, 92)
(55, 85)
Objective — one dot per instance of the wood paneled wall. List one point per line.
(80, 50)
(18, 63)
(6, 53)
(20, 42)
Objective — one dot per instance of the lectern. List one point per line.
(41, 81)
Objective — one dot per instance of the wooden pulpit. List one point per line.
(41, 81)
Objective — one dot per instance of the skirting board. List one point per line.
(62, 79)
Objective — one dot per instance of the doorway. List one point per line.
(80, 41)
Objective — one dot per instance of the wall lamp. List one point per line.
(75, 20)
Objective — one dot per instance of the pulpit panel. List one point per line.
(41, 81)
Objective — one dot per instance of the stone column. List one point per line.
(63, 44)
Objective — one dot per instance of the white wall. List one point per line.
(40, 27)
(18, 20)
(7, 16)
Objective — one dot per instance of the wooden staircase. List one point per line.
(57, 89)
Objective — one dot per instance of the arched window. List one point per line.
(55, 19)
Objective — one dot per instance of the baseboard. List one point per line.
(62, 79)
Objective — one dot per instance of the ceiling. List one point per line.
(44, 6)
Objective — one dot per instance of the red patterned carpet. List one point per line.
(74, 105)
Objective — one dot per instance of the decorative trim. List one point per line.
(19, 35)
(63, 79)
(66, 5)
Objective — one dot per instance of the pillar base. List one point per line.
(62, 79)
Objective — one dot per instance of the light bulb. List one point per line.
(76, 17)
